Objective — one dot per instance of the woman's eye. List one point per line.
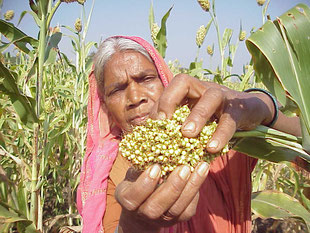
(148, 78)
(114, 91)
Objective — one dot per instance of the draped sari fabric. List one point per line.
(224, 204)
(102, 148)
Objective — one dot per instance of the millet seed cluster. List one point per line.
(161, 141)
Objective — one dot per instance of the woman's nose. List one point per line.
(135, 95)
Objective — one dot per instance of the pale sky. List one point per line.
(130, 17)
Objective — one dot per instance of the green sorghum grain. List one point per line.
(161, 141)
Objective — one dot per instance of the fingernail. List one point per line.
(161, 115)
(213, 144)
(203, 168)
(154, 171)
(184, 173)
(190, 126)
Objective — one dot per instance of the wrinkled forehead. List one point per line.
(125, 65)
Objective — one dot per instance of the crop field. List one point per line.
(43, 114)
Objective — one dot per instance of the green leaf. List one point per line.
(22, 199)
(35, 18)
(151, 16)
(281, 55)
(195, 69)
(7, 216)
(22, 104)
(161, 36)
(52, 45)
(272, 145)
(246, 78)
(277, 205)
(66, 59)
(17, 37)
(268, 149)
(21, 17)
(226, 37)
(88, 46)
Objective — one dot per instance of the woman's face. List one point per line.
(131, 86)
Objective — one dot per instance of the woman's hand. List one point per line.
(147, 207)
(234, 110)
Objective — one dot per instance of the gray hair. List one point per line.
(109, 47)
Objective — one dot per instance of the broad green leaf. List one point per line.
(264, 70)
(306, 136)
(277, 205)
(22, 199)
(272, 145)
(270, 150)
(52, 45)
(51, 58)
(16, 36)
(161, 36)
(281, 52)
(7, 216)
(22, 104)
(27, 227)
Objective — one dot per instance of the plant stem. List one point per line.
(197, 54)
(219, 41)
(51, 14)
(34, 172)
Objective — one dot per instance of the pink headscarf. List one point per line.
(102, 148)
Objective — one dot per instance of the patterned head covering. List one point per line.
(102, 147)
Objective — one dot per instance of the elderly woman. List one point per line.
(130, 83)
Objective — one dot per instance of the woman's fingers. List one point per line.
(166, 194)
(225, 130)
(173, 197)
(185, 206)
(190, 210)
(209, 103)
(181, 88)
(133, 191)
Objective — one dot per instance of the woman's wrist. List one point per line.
(269, 101)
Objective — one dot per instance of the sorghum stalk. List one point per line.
(34, 173)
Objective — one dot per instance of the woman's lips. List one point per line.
(140, 119)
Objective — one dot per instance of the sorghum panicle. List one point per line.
(200, 35)
(9, 15)
(154, 31)
(161, 142)
(261, 2)
(205, 4)
(210, 50)
(78, 25)
(242, 35)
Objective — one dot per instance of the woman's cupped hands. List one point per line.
(148, 206)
